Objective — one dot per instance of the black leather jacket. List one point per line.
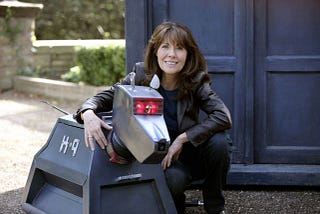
(203, 97)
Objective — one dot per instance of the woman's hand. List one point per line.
(92, 129)
(174, 150)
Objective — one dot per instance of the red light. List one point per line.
(139, 108)
(148, 106)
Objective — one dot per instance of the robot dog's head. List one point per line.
(138, 122)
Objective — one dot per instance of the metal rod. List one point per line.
(55, 107)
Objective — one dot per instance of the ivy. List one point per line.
(10, 30)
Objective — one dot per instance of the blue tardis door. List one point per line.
(287, 81)
(264, 60)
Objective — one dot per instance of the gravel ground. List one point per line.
(26, 123)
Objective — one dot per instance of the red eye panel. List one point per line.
(147, 106)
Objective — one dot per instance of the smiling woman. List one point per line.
(171, 60)
(197, 150)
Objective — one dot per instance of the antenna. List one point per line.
(132, 79)
(55, 107)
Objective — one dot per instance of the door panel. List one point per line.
(201, 17)
(293, 27)
(287, 103)
(291, 113)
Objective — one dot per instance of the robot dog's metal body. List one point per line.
(67, 177)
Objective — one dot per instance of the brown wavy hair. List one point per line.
(180, 35)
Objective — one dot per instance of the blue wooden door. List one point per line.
(287, 81)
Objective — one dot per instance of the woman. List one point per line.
(199, 149)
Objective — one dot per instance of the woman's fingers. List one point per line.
(98, 134)
(86, 139)
(91, 142)
(166, 162)
(173, 153)
(93, 130)
(106, 126)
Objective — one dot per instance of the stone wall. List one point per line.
(17, 21)
(59, 90)
(55, 57)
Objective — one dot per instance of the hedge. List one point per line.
(98, 66)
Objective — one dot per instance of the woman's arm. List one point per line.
(218, 115)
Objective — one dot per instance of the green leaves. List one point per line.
(86, 19)
(100, 66)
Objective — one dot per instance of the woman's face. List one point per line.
(171, 57)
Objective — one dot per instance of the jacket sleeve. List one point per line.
(103, 101)
(217, 118)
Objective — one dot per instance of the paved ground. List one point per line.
(25, 124)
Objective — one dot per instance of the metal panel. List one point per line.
(287, 82)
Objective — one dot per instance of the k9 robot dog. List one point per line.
(66, 177)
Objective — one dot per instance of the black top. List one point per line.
(170, 111)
